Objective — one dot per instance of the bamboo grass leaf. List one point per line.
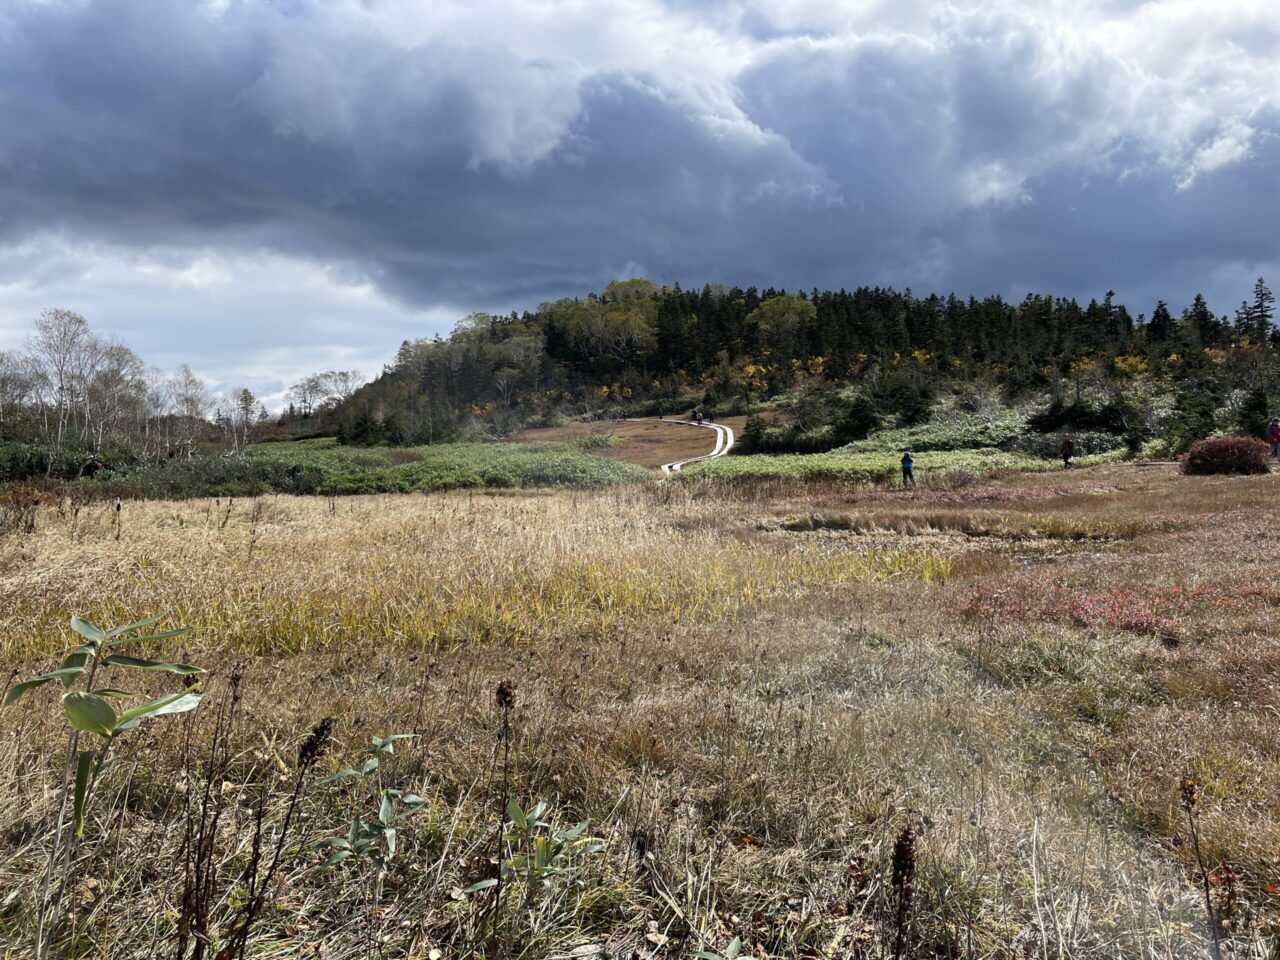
(165, 635)
(174, 703)
(18, 689)
(89, 713)
(130, 628)
(138, 663)
(87, 630)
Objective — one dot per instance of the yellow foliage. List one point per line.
(1083, 367)
(1131, 365)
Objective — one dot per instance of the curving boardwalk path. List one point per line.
(724, 441)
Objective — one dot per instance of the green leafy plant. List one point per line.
(541, 852)
(373, 840)
(731, 952)
(546, 852)
(89, 711)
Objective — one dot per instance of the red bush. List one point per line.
(1227, 455)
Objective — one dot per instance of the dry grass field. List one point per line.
(818, 721)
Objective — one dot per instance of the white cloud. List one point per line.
(247, 176)
(1232, 145)
(252, 319)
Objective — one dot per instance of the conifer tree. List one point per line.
(1264, 310)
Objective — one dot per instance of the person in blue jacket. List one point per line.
(908, 479)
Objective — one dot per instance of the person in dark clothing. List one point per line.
(908, 478)
(1067, 450)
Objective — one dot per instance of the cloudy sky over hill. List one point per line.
(267, 188)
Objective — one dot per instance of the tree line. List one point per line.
(73, 400)
(638, 347)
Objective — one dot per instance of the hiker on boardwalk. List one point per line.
(1273, 436)
(908, 478)
(1066, 451)
(696, 416)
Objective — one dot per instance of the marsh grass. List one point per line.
(976, 524)
(290, 575)
(750, 718)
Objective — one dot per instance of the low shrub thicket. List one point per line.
(854, 467)
(760, 436)
(223, 476)
(595, 441)
(998, 430)
(1084, 443)
(18, 461)
(1110, 416)
(325, 467)
(1217, 455)
(1001, 429)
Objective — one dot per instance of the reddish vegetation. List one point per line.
(990, 494)
(1140, 609)
(1227, 455)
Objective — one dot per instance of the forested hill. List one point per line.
(638, 348)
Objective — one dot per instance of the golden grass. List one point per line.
(290, 575)
(750, 709)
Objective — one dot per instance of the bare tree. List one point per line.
(115, 396)
(15, 382)
(308, 393)
(191, 405)
(82, 393)
(314, 391)
(64, 352)
(343, 383)
(157, 407)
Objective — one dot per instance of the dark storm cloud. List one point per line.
(164, 127)
(980, 153)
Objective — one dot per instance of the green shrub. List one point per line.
(823, 416)
(1084, 443)
(21, 461)
(855, 467)
(1001, 429)
(596, 441)
(859, 419)
(1254, 413)
(780, 438)
(903, 397)
(325, 467)
(1110, 417)
(1192, 418)
(217, 476)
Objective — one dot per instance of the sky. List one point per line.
(265, 188)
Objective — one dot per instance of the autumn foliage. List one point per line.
(1226, 455)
